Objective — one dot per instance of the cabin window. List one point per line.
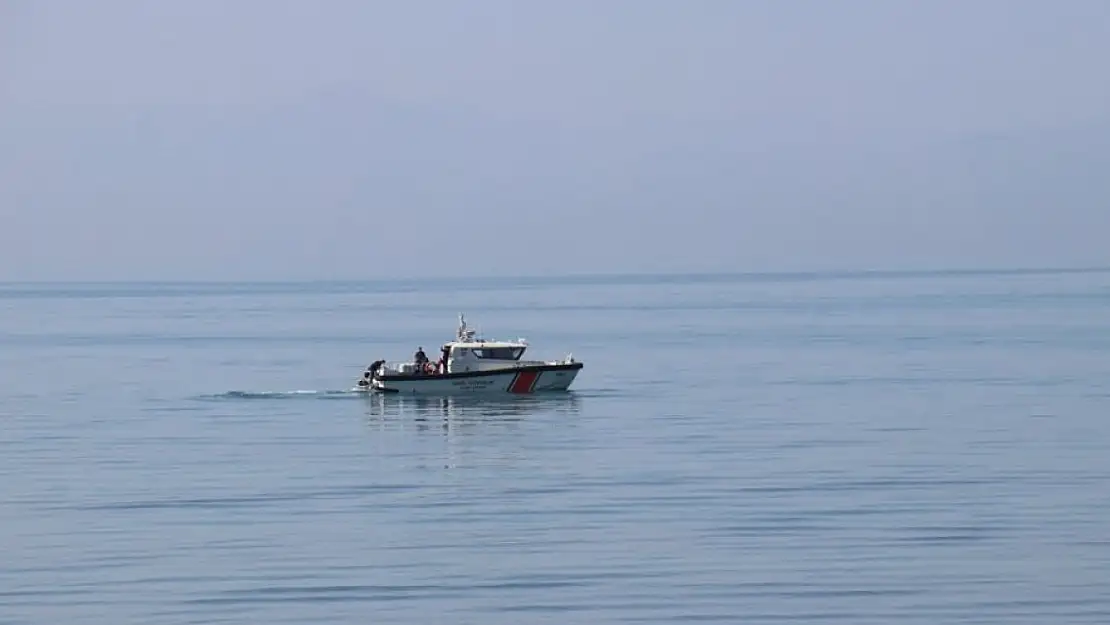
(499, 353)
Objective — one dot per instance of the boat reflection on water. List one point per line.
(471, 408)
(466, 425)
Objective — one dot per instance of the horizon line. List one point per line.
(1016, 270)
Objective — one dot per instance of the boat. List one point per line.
(471, 365)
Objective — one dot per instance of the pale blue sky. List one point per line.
(358, 139)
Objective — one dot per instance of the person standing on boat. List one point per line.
(420, 358)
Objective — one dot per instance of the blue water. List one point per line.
(856, 448)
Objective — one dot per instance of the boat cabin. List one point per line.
(481, 355)
(467, 353)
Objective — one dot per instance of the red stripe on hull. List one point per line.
(524, 381)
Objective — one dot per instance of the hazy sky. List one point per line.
(351, 139)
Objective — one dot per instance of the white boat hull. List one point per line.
(518, 381)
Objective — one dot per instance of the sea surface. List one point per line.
(912, 448)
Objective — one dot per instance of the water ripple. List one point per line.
(819, 450)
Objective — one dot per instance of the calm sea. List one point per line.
(883, 448)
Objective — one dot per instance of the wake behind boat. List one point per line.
(471, 365)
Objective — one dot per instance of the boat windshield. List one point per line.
(499, 353)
